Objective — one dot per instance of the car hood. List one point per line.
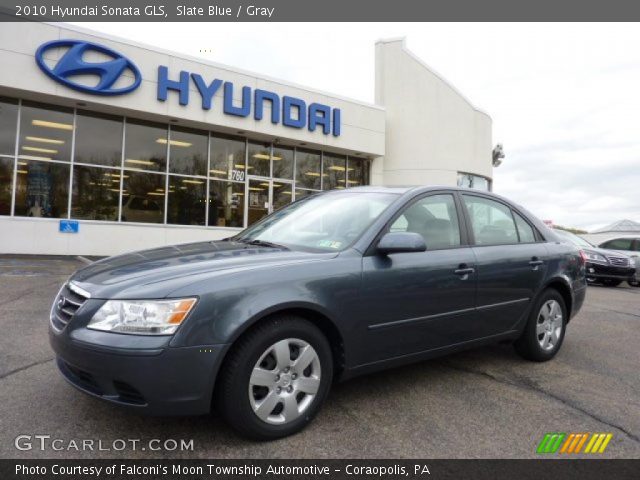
(155, 273)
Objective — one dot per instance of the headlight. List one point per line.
(143, 317)
(632, 262)
(594, 257)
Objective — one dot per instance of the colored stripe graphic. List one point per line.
(551, 442)
(598, 443)
(572, 443)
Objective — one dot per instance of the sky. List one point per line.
(564, 98)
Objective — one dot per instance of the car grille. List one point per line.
(65, 306)
(618, 261)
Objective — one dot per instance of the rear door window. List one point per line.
(491, 221)
(525, 231)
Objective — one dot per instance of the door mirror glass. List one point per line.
(401, 242)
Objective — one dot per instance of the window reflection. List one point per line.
(308, 169)
(95, 194)
(227, 157)
(468, 180)
(143, 198)
(8, 125)
(187, 200)
(45, 133)
(259, 159)
(335, 171)
(188, 152)
(6, 185)
(146, 146)
(226, 204)
(98, 139)
(300, 193)
(42, 189)
(358, 169)
(283, 162)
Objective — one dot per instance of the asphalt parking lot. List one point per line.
(486, 403)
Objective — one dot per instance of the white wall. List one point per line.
(432, 131)
(41, 236)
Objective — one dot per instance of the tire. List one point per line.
(633, 283)
(530, 344)
(288, 390)
(610, 282)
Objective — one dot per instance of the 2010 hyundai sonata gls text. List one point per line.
(346, 282)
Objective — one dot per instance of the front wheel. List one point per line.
(276, 378)
(543, 335)
(633, 283)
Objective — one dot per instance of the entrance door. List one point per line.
(266, 195)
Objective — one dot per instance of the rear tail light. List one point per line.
(583, 257)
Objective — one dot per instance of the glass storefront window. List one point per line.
(358, 169)
(143, 197)
(226, 204)
(95, 194)
(283, 162)
(194, 159)
(300, 193)
(145, 146)
(227, 158)
(98, 139)
(468, 180)
(282, 194)
(6, 185)
(187, 200)
(8, 125)
(308, 169)
(42, 189)
(188, 152)
(45, 133)
(259, 159)
(335, 171)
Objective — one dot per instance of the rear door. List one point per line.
(421, 300)
(511, 261)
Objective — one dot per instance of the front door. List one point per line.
(420, 301)
(265, 196)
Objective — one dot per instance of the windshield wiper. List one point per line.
(264, 243)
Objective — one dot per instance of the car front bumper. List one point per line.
(598, 271)
(156, 381)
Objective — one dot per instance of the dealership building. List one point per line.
(108, 146)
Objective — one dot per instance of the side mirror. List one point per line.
(401, 242)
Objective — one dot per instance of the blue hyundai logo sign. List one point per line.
(72, 64)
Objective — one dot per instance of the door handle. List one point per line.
(535, 262)
(464, 271)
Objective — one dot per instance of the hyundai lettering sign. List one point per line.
(118, 75)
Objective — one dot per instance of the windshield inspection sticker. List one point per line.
(329, 244)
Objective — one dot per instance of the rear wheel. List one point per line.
(276, 378)
(610, 282)
(544, 333)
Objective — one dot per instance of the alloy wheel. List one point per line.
(549, 325)
(284, 381)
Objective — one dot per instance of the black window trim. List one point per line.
(464, 238)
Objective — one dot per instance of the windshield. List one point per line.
(330, 222)
(575, 239)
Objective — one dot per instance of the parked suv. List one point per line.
(608, 267)
(334, 285)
